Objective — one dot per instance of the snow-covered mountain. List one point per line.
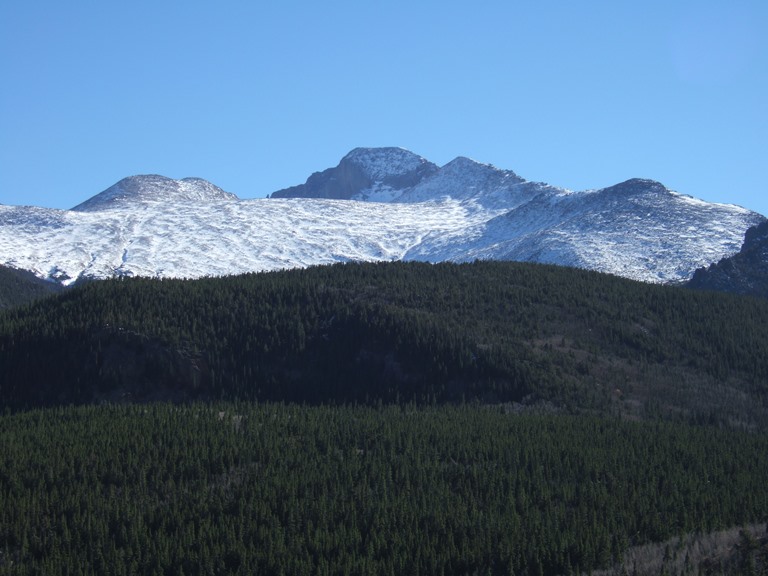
(153, 188)
(377, 204)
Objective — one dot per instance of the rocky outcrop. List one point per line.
(746, 272)
(362, 169)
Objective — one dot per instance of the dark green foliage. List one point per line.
(19, 287)
(284, 489)
(490, 331)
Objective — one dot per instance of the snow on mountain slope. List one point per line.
(182, 239)
(637, 229)
(154, 188)
(465, 179)
(155, 226)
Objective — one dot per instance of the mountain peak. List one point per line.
(636, 186)
(381, 164)
(365, 172)
(154, 188)
(462, 164)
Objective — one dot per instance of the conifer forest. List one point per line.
(392, 418)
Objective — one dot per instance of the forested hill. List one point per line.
(494, 332)
(19, 287)
(268, 488)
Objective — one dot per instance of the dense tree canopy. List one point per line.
(492, 331)
(399, 418)
(18, 287)
(287, 489)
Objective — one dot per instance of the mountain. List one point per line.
(154, 188)
(378, 204)
(365, 174)
(746, 272)
(398, 175)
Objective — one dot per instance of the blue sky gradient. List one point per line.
(255, 96)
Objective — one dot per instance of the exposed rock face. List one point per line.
(746, 272)
(361, 170)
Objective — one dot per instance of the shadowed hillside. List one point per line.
(746, 272)
(20, 287)
(493, 332)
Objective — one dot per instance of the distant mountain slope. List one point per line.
(20, 287)
(637, 229)
(743, 273)
(487, 331)
(376, 205)
(153, 188)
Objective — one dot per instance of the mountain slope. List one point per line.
(154, 188)
(743, 273)
(377, 204)
(636, 229)
(487, 331)
(363, 174)
(19, 287)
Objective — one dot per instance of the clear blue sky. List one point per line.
(256, 95)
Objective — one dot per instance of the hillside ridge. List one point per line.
(494, 332)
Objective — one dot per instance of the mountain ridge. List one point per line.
(376, 204)
(154, 188)
(390, 168)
